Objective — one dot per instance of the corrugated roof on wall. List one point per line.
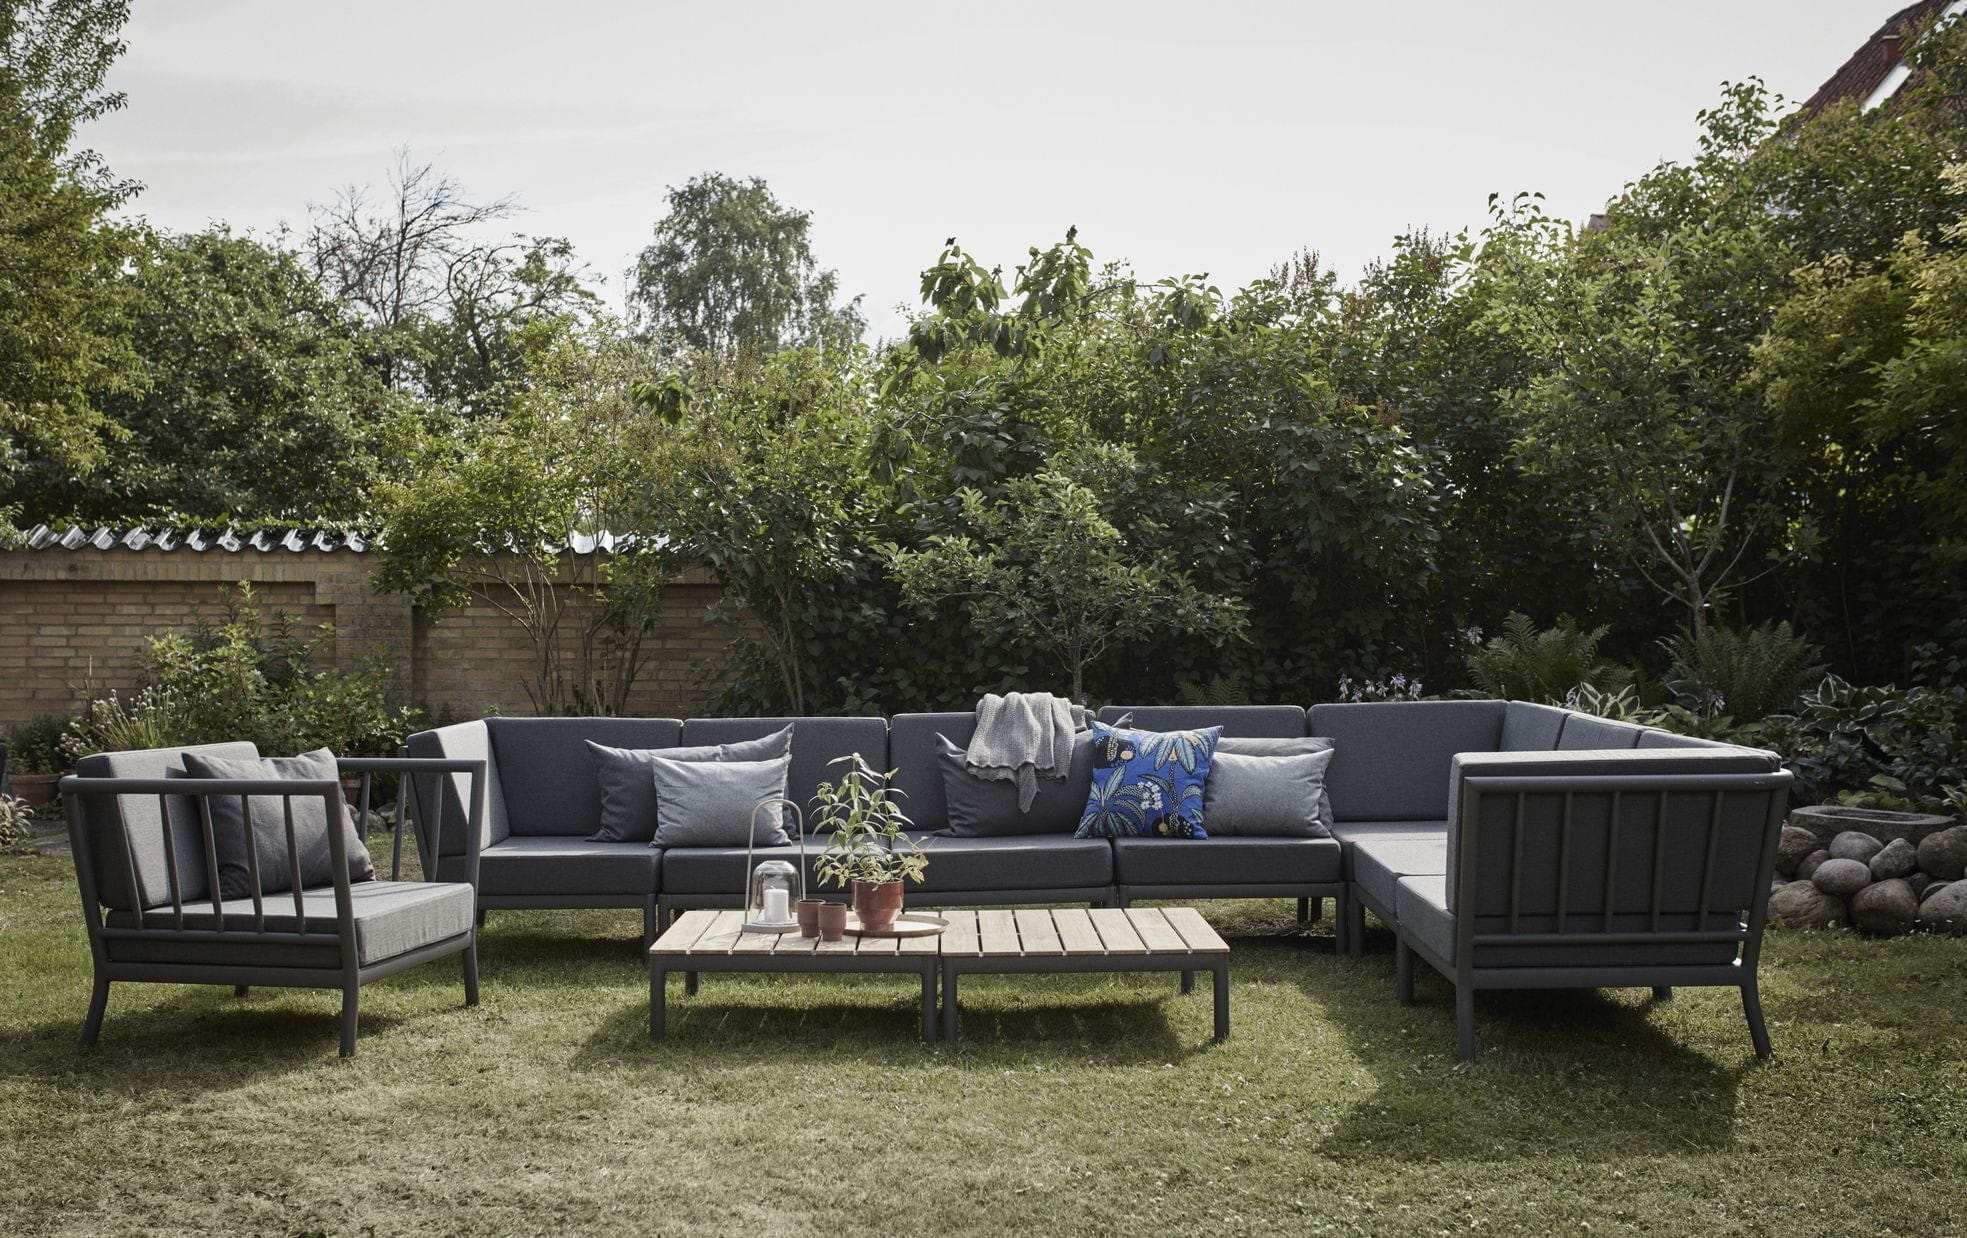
(266, 541)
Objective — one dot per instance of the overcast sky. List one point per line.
(1183, 137)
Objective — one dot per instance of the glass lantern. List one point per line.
(768, 905)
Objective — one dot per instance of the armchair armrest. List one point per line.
(428, 833)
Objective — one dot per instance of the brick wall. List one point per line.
(75, 621)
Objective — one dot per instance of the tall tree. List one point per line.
(732, 270)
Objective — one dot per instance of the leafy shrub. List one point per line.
(1393, 688)
(1527, 664)
(1842, 738)
(14, 817)
(110, 725)
(35, 747)
(1747, 673)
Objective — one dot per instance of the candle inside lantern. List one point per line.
(776, 906)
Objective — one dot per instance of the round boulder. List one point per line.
(1932, 890)
(1887, 908)
(1944, 855)
(1796, 843)
(1918, 882)
(1801, 904)
(1839, 877)
(1808, 868)
(1945, 911)
(1852, 845)
(1896, 859)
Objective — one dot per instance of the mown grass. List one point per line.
(1073, 1105)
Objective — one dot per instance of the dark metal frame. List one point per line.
(1467, 977)
(349, 974)
(1186, 962)
(1311, 898)
(663, 962)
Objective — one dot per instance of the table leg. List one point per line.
(949, 1004)
(1188, 982)
(690, 984)
(658, 1003)
(1222, 1002)
(928, 1004)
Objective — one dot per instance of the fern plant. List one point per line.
(1749, 673)
(1531, 664)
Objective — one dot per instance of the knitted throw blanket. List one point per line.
(1021, 738)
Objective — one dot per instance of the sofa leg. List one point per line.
(481, 917)
(240, 990)
(351, 1002)
(1304, 910)
(1758, 1030)
(1403, 972)
(471, 974)
(1662, 993)
(1465, 1020)
(98, 1004)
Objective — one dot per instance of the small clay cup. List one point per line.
(808, 911)
(832, 921)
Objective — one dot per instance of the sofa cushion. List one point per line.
(719, 803)
(1651, 738)
(1148, 783)
(466, 741)
(914, 752)
(985, 807)
(1267, 746)
(546, 774)
(257, 838)
(1240, 721)
(1035, 862)
(628, 785)
(391, 918)
(1274, 796)
(549, 864)
(144, 822)
(1378, 864)
(1583, 731)
(1529, 727)
(721, 870)
(816, 744)
(1225, 861)
(1421, 907)
(1394, 756)
(1351, 833)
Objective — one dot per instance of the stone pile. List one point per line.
(1883, 887)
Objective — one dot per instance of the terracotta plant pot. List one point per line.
(877, 903)
(832, 921)
(34, 789)
(808, 912)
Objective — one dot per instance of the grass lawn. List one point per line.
(1083, 1104)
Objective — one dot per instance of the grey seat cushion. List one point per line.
(144, 819)
(1529, 727)
(1237, 721)
(1583, 731)
(1421, 906)
(988, 808)
(1351, 833)
(628, 785)
(1378, 864)
(1034, 862)
(1394, 755)
(816, 744)
(550, 864)
(391, 918)
(547, 776)
(721, 870)
(1225, 861)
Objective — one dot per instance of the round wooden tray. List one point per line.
(907, 924)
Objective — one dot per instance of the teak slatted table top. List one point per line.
(1068, 931)
(717, 933)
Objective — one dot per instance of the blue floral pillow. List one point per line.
(1148, 784)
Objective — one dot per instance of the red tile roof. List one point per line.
(1871, 64)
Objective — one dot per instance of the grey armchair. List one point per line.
(146, 862)
(1652, 880)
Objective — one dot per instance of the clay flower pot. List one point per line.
(34, 789)
(832, 921)
(808, 912)
(877, 903)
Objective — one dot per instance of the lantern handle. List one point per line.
(751, 839)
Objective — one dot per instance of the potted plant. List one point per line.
(34, 759)
(870, 851)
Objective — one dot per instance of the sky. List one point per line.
(1183, 137)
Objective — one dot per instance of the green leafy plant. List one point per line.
(109, 724)
(35, 747)
(869, 840)
(1843, 737)
(15, 816)
(1748, 673)
(1526, 663)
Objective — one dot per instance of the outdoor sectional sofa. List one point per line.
(1507, 844)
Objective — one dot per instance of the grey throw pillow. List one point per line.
(266, 836)
(986, 808)
(628, 792)
(712, 803)
(1274, 796)
(1286, 748)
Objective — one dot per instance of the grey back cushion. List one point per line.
(144, 821)
(816, 743)
(915, 753)
(1246, 747)
(1274, 796)
(1667, 739)
(465, 741)
(988, 808)
(1529, 727)
(1583, 731)
(1590, 763)
(628, 793)
(259, 833)
(716, 803)
(1394, 755)
(544, 768)
(1237, 721)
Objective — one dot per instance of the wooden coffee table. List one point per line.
(1069, 939)
(701, 941)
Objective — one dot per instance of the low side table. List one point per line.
(1070, 939)
(701, 941)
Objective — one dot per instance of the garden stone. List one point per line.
(1946, 911)
(1827, 821)
(1839, 877)
(1932, 890)
(1944, 854)
(1801, 905)
(1897, 859)
(1851, 845)
(1808, 868)
(1795, 845)
(1887, 908)
(1919, 882)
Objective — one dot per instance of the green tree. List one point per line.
(732, 270)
